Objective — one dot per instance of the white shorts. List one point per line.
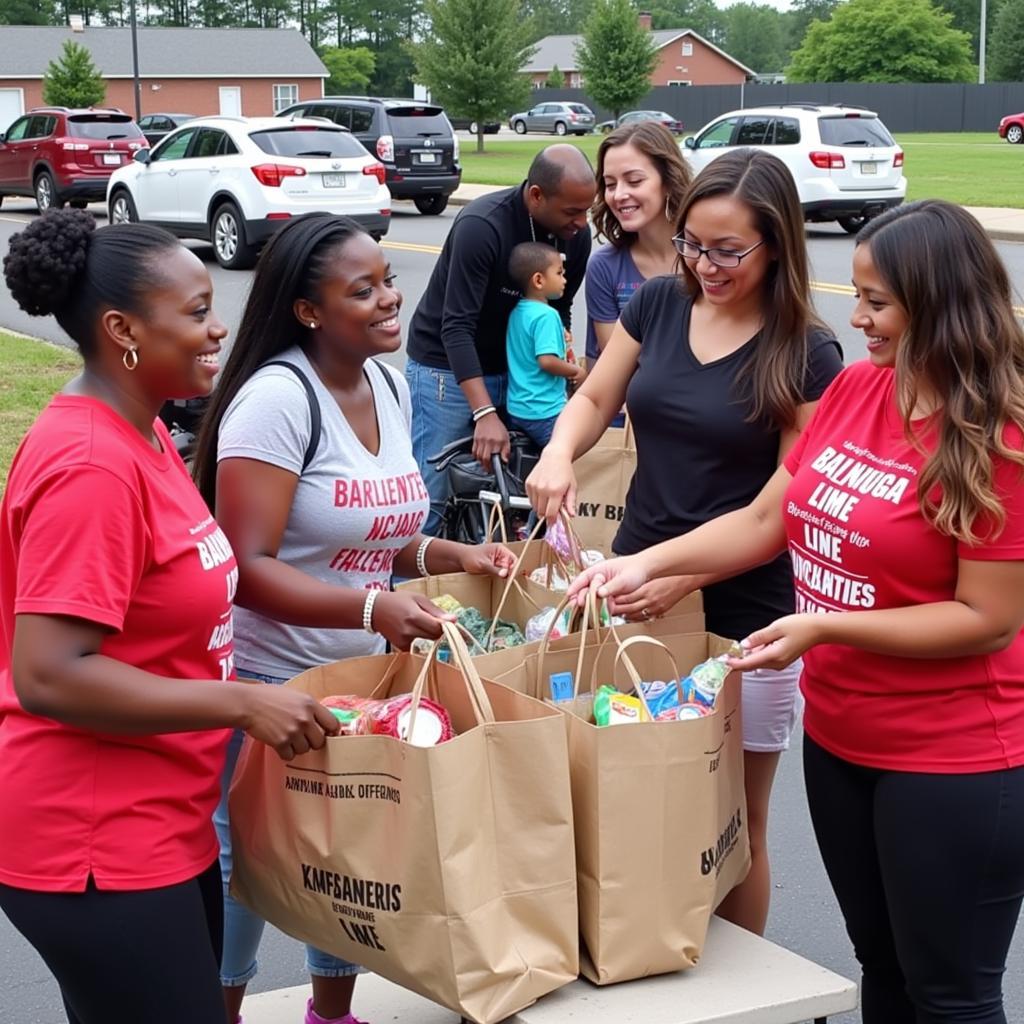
(772, 703)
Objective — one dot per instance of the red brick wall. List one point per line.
(703, 67)
(184, 95)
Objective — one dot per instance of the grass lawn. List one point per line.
(33, 371)
(973, 168)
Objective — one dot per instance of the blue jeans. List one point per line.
(538, 431)
(440, 415)
(242, 928)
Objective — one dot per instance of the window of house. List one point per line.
(680, 81)
(285, 96)
(687, 50)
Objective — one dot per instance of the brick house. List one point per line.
(248, 71)
(684, 58)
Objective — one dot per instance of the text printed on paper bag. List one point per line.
(713, 859)
(359, 898)
(342, 790)
(595, 510)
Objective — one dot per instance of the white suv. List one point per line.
(845, 163)
(233, 181)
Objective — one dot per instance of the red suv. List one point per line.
(60, 155)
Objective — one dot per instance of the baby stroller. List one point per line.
(477, 497)
(182, 417)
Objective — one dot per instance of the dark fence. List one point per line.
(903, 108)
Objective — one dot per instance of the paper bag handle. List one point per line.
(479, 701)
(634, 675)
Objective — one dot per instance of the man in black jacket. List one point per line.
(457, 369)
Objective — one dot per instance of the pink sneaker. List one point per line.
(312, 1017)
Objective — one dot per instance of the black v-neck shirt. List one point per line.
(698, 456)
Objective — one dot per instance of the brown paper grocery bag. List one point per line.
(448, 870)
(660, 811)
(603, 476)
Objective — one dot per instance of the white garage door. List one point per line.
(12, 105)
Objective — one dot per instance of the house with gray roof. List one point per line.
(249, 71)
(684, 58)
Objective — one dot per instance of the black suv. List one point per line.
(413, 140)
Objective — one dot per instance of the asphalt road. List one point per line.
(804, 916)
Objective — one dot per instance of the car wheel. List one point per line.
(122, 209)
(46, 193)
(473, 126)
(1015, 133)
(227, 231)
(431, 205)
(560, 128)
(520, 127)
(851, 225)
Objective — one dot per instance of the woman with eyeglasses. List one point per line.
(719, 368)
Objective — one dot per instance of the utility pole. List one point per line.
(981, 44)
(135, 63)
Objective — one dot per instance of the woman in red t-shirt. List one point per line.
(902, 507)
(116, 677)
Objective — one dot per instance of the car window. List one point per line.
(854, 131)
(306, 141)
(407, 121)
(362, 119)
(753, 131)
(18, 129)
(787, 131)
(227, 146)
(40, 126)
(578, 108)
(146, 122)
(174, 146)
(103, 126)
(718, 134)
(208, 143)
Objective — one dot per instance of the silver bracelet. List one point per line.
(421, 556)
(371, 597)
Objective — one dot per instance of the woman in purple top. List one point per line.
(641, 180)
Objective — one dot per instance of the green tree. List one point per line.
(754, 35)
(555, 17)
(472, 58)
(1005, 62)
(351, 68)
(884, 41)
(967, 17)
(73, 80)
(555, 79)
(700, 15)
(798, 18)
(616, 56)
(27, 12)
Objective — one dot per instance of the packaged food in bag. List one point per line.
(392, 717)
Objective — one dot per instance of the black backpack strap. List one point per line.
(314, 409)
(389, 380)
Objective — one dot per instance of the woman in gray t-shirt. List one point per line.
(319, 521)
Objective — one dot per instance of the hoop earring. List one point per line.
(668, 216)
(130, 358)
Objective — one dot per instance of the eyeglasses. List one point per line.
(720, 257)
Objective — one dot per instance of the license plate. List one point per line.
(428, 158)
(869, 168)
(334, 181)
(112, 158)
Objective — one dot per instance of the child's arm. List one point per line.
(559, 367)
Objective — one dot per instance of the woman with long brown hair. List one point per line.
(641, 183)
(902, 506)
(719, 368)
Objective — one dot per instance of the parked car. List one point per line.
(60, 155)
(234, 180)
(1011, 128)
(631, 117)
(465, 124)
(846, 166)
(413, 140)
(156, 126)
(559, 118)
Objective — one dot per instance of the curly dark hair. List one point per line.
(63, 266)
(656, 143)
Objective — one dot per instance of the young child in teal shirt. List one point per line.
(535, 343)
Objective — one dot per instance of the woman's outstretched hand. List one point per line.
(609, 579)
(779, 644)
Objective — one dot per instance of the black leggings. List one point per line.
(929, 874)
(129, 957)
